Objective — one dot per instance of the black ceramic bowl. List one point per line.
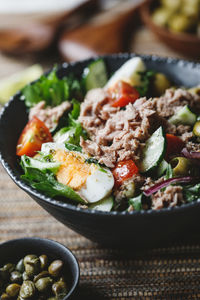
(140, 229)
(13, 250)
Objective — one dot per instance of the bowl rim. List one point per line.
(75, 208)
(69, 253)
(181, 37)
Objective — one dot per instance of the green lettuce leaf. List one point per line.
(41, 176)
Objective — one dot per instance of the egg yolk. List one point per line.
(73, 170)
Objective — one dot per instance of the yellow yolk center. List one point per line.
(73, 170)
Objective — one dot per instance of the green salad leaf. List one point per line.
(191, 192)
(136, 202)
(52, 90)
(146, 78)
(73, 131)
(41, 176)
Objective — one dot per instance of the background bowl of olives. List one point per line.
(37, 269)
(175, 22)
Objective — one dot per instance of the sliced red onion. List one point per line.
(153, 189)
(190, 154)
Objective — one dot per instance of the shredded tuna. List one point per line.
(171, 196)
(115, 134)
(174, 99)
(50, 116)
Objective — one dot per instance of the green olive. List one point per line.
(196, 129)
(180, 23)
(20, 266)
(160, 84)
(27, 289)
(161, 16)
(59, 288)
(190, 8)
(52, 298)
(181, 166)
(16, 277)
(43, 261)
(55, 268)
(41, 275)
(195, 90)
(172, 5)
(43, 284)
(13, 289)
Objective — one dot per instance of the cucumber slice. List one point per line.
(136, 202)
(128, 72)
(183, 116)
(29, 162)
(153, 152)
(10, 85)
(95, 75)
(105, 204)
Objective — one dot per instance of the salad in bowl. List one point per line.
(125, 142)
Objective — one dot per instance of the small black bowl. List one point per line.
(12, 251)
(139, 229)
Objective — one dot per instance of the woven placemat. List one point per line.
(172, 273)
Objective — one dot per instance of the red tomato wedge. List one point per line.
(32, 137)
(124, 170)
(174, 145)
(122, 94)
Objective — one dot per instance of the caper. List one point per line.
(32, 264)
(9, 267)
(5, 296)
(43, 261)
(20, 266)
(13, 289)
(43, 284)
(27, 289)
(4, 274)
(59, 288)
(25, 276)
(16, 277)
(41, 275)
(55, 268)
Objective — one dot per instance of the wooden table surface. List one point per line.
(105, 274)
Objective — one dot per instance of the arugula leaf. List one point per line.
(72, 147)
(136, 202)
(191, 192)
(43, 179)
(51, 89)
(146, 78)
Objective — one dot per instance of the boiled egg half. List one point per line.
(89, 180)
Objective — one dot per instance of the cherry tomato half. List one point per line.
(124, 170)
(122, 94)
(32, 137)
(174, 145)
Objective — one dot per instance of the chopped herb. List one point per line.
(72, 147)
(91, 160)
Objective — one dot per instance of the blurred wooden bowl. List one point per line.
(184, 43)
